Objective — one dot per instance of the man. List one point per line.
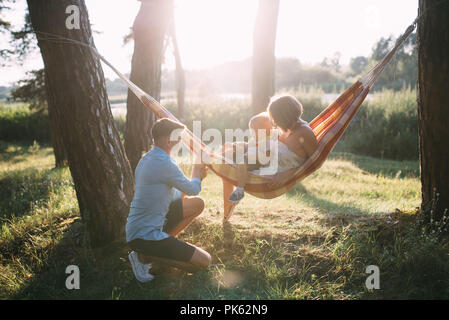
(155, 217)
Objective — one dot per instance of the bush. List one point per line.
(411, 254)
(19, 124)
(386, 126)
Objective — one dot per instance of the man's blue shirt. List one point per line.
(157, 177)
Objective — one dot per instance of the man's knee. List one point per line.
(192, 206)
(205, 260)
(198, 204)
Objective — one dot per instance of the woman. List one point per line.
(297, 142)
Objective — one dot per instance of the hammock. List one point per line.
(328, 127)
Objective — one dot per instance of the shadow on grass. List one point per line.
(254, 266)
(382, 167)
(324, 206)
(105, 272)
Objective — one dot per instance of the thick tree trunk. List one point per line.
(149, 30)
(180, 75)
(101, 173)
(57, 142)
(433, 102)
(263, 63)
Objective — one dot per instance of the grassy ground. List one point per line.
(314, 242)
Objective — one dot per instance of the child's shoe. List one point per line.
(237, 195)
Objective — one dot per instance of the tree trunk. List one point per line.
(263, 86)
(149, 29)
(101, 173)
(180, 75)
(433, 102)
(57, 142)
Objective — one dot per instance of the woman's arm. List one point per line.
(309, 144)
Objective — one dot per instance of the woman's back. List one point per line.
(299, 139)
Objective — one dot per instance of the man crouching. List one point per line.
(155, 217)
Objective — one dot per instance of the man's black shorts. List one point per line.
(169, 248)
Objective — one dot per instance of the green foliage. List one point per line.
(402, 71)
(32, 90)
(215, 113)
(290, 74)
(18, 123)
(385, 127)
(358, 65)
(411, 255)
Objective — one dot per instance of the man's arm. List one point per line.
(174, 177)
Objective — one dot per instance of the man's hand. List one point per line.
(199, 171)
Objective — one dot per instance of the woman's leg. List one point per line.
(228, 206)
(242, 172)
(229, 150)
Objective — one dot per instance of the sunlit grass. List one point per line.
(312, 243)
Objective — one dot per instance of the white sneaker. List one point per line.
(140, 269)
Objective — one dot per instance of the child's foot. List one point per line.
(237, 195)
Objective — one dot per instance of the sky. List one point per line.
(211, 32)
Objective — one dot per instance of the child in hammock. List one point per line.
(296, 141)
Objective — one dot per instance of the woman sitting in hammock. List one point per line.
(296, 141)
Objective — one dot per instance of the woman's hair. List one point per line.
(284, 111)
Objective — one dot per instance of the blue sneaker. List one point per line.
(237, 195)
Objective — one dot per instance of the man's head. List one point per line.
(164, 134)
(260, 121)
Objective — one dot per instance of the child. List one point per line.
(296, 143)
(261, 128)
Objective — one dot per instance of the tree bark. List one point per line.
(433, 102)
(100, 171)
(149, 30)
(263, 64)
(59, 149)
(180, 75)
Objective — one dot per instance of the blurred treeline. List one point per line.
(386, 125)
(329, 75)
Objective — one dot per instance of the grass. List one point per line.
(315, 242)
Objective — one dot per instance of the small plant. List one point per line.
(34, 148)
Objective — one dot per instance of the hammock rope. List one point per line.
(328, 126)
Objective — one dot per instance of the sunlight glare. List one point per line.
(211, 31)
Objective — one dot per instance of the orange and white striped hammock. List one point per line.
(328, 127)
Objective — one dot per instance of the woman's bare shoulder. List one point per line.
(303, 130)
